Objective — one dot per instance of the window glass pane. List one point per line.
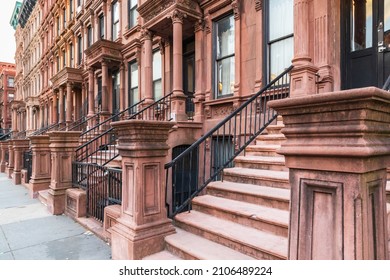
(134, 75)
(115, 12)
(225, 37)
(133, 3)
(156, 65)
(133, 17)
(157, 89)
(281, 13)
(387, 23)
(190, 76)
(225, 79)
(134, 96)
(361, 25)
(281, 54)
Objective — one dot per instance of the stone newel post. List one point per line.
(11, 157)
(4, 148)
(63, 145)
(337, 150)
(143, 223)
(20, 146)
(40, 175)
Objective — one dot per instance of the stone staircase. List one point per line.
(245, 216)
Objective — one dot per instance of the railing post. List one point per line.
(63, 145)
(337, 152)
(19, 147)
(143, 222)
(3, 147)
(10, 167)
(40, 176)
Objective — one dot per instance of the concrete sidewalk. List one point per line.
(29, 232)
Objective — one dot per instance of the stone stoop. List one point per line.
(42, 196)
(244, 216)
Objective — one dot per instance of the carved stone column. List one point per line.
(259, 44)
(91, 97)
(104, 87)
(199, 69)
(62, 147)
(237, 46)
(337, 162)
(143, 222)
(303, 76)
(20, 146)
(61, 105)
(148, 66)
(55, 108)
(122, 96)
(40, 175)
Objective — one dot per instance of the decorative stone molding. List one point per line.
(199, 25)
(177, 16)
(236, 9)
(258, 5)
(146, 34)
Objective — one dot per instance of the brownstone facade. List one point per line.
(7, 92)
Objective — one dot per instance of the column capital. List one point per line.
(199, 25)
(146, 34)
(177, 16)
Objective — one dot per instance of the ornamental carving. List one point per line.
(161, 7)
(188, 3)
(177, 16)
(258, 5)
(219, 111)
(146, 34)
(236, 9)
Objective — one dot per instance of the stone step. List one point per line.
(186, 245)
(261, 162)
(253, 242)
(270, 178)
(255, 216)
(42, 196)
(163, 255)
(261, 195)
(262, 150)
(275, 139)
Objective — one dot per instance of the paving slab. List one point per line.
(29, 232)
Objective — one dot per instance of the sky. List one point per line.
(7, 39)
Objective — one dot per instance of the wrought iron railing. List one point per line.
(52, 127)
(27, 163)
(5, 134)
(103, 186)
(190, 172)
(81, 124)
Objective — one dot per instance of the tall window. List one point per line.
(133, 83)
(224, 56)
(79, 49)
(133, 14)
(280, 39)
(63, 59)
(71, 55)
(71, 8)
(157, 87)
(115, 20)
(101, 26)
(58, 64)
(58, 26)
(64, 18)
(89, 36)
(11, 81)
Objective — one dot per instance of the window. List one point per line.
(58, 26)
(224, 56)
(71, 55)
(115, 20)
(71, 8)
(11, 81)
(89, 36)
(280, 41)
(133, 83)
(64, 18)
(58, 64)
(157, 87)
(78, 3)
(79, 49)
(63, 59)
(133, 14)
(101, 26)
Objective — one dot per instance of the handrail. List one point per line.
(6, 135)
(218, 147)
(386, 85)
(78, 123)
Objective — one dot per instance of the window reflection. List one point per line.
(361, 24)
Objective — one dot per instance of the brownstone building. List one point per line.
(7, 91)
(151, 81)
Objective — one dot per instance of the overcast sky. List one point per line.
(7, 39)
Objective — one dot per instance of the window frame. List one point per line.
(154, 81)
(89, 35)
(131, 88)
(114, 22)
(101, 26)
(79, 49)
(132, 12)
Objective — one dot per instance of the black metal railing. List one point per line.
(52, 127)
(82, 123)
(102, 184)
(5, 134)
(27, 163)
(190, 172)
(386, 85)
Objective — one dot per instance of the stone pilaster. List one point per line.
(40, 175)
(62, 146)
(143, 222)
(11, 156)
(4, 160)
(20, 146)
(337, 152)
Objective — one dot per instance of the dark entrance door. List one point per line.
(366, 47)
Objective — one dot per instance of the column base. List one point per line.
(131, 242)
(9, 171)
(37, 185)
(17, 177)
(2, 167)
(56, 202)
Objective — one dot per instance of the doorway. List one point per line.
(366, 47)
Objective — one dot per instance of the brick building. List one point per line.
(7, 91)
(82, 65)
